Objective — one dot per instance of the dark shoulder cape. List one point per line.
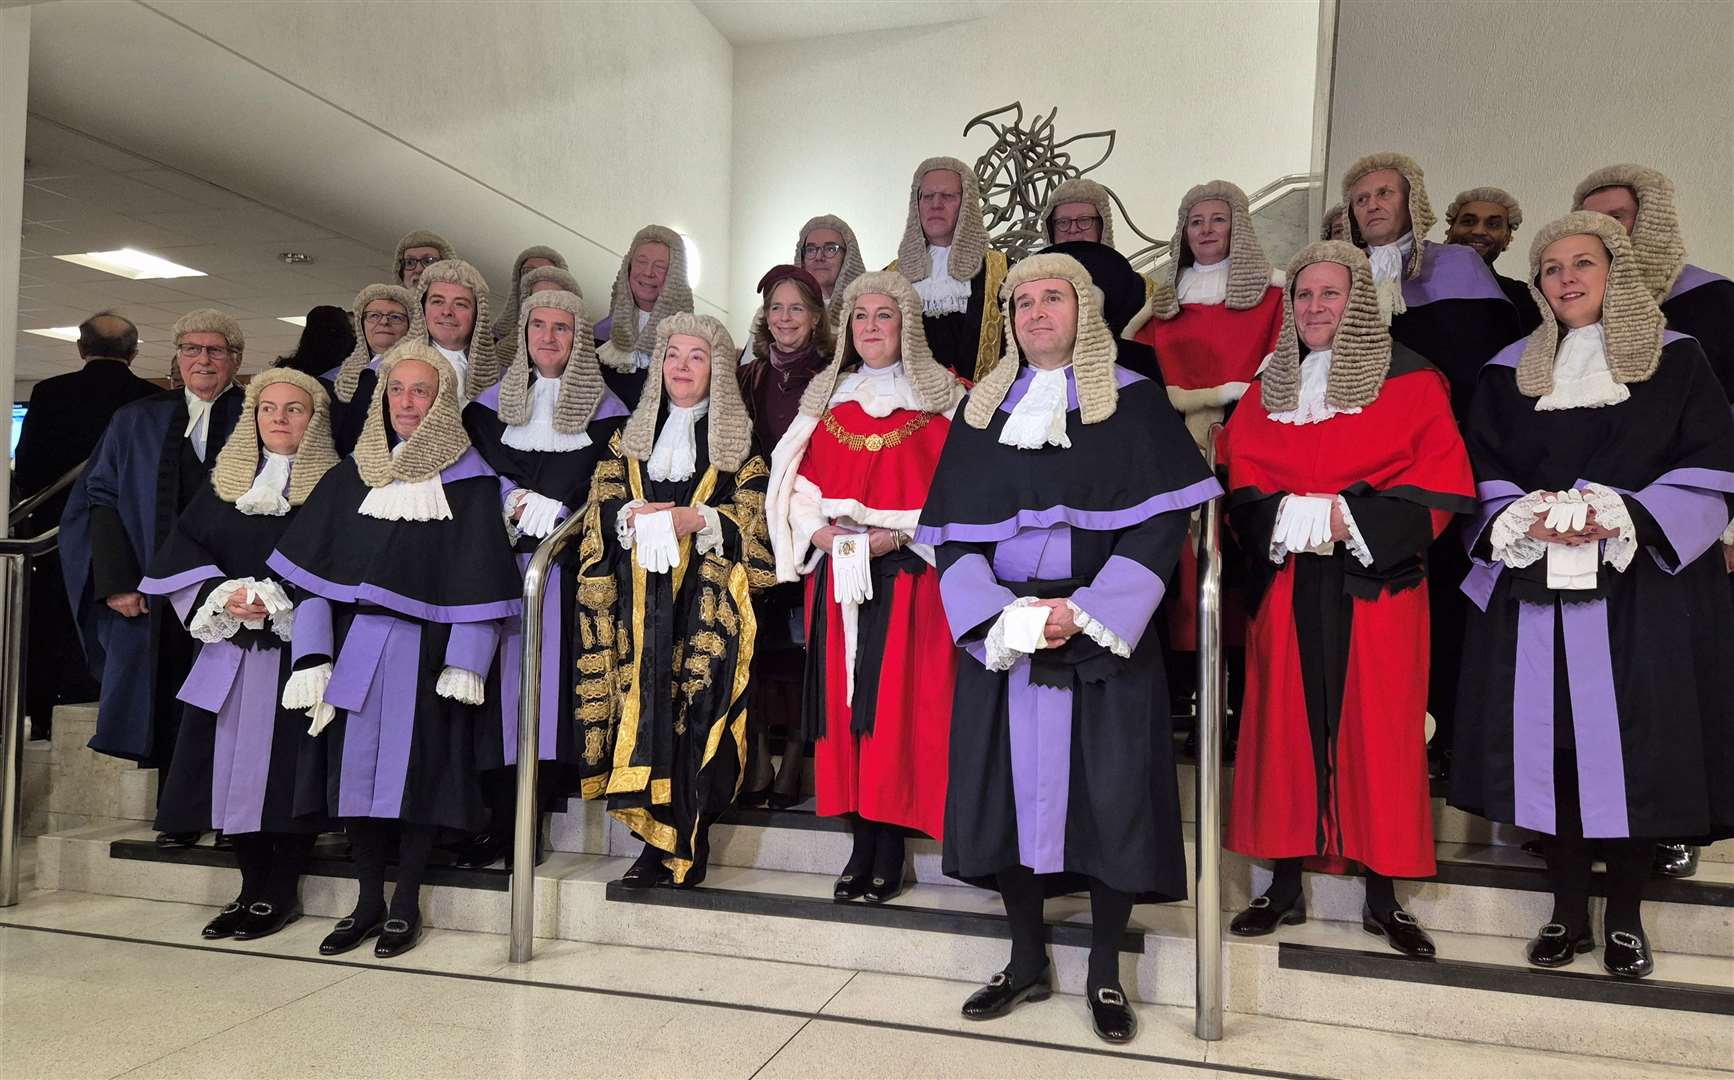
(1457, 316)
(454, 571)
(1702, 304)
(984, 491)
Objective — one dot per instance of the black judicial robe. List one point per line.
(971, 343)
(392, 604)
(1528, 315)
(564, 476)
(625, 385)
(238, 750)
(1124, 293)
(1064, 763)
(1637, 675)
(1701, 304)
(347, 418)
(664, 660)
(142, 473)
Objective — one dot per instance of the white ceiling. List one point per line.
(82, 194)
(758, 22)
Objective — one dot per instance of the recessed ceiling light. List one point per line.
(293, 320)
(62, 333)
(131, 263)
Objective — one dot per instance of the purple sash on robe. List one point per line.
(240, 687)
(374, 681)
(512, 668)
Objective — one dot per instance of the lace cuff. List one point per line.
(709, 538)
(1001, 655)
(1356, 543)
(1098, 633)
(1611, 513)
(212, 621)
(513, 498)
(460, 685)
(1509, 536)
(305, 691)
(623, 531)
(1728, 534)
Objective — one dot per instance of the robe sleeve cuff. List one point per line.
(1098, 633)
(1356, 543)
(1611, 513)
(971, 594)
(312, 635)
(460, 685)
(1509, 536)
(805, 516)
(471, 646)
(1122, 597)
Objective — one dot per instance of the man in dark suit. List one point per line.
(67, 415)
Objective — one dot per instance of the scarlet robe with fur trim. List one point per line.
(1635, 675)
(1332, 757)
(905, 664)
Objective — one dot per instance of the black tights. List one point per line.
(1285, 888)
(1569, 856)
(878, 848)
(1110, 911)
(271, 866)
(369, 840)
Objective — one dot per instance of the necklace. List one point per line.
(874, 443)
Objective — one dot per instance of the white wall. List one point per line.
(835, 125)
(1532, 96)
(535, 123)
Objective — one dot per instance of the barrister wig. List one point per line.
(1249, 269)
(624, 337)
(561, 279)
(968, 243)
(1657, 249)
(1420, 210)
(238, 461)
(1631, 320)
(435, 444)
(484, 366)
(420, 238)
(760, 338)
(1331, 226)
(505, 324)
(1080, 190)
(934, 385)
(1093, 353)
(581, 387)
(362, 355)
(1513, 212)
(854, 264)
(731, 430)
(1360, 351)
(211, 321)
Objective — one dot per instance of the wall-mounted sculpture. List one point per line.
(1022, 168)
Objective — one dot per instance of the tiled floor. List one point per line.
(95, 986)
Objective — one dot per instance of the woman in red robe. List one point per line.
(1343, 466)
(848, 481)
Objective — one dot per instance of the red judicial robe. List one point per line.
(885, 755)
(1333, 758)
(1209, 354)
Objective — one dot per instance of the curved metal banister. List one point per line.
(15, 558)
(529, 738)
(1207, 945)
(23, 509)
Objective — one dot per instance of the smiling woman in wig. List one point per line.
(673, 547)
(1599, 661)
(238, 751)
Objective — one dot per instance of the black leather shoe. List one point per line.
(647, 872)
(777, 800)
(483, 849)
(1400, 929)
(884, 890)
(225, 924)
(348, 934)
(264, 919)
(1627, 954)
(223, 841)
(850, 886)
(999, 996)
(397, 937)
(1532, 846)
(178, 839)
(1112, 1018)
(1260, 918)
(1676, 860)
(1439, 764)
(1553, 946)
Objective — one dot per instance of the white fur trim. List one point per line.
(1206, 397)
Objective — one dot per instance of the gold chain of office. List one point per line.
(874, 443)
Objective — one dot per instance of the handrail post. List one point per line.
(529, 740)
(1207, 944)
(14, 602)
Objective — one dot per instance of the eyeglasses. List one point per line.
(1076, 224)
(423, 261)
(189, 351)
(385, 318)
(830, 251)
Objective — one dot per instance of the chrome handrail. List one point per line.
(15, 558)
(529, 739)
(23, 509)
(1207, 850)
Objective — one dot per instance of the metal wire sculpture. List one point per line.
(1023, 167)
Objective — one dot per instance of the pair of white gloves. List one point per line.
(1303, 523)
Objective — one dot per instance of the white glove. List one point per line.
(1026, 627)
(305, 690)
(1303, 523)
(1566, 511)
(540, 514)
(654, 544)
(850, 580)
